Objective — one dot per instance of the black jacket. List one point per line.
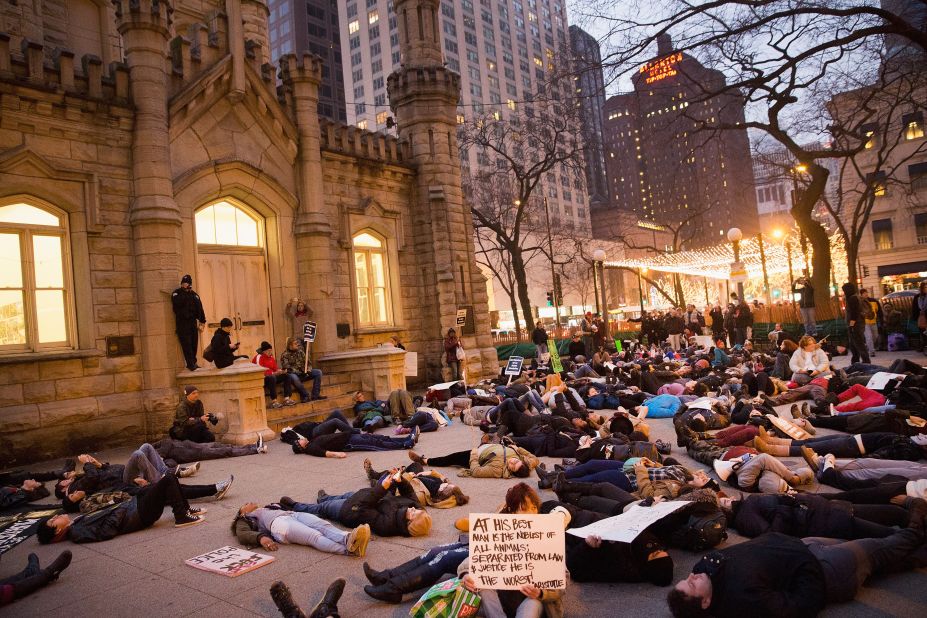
(743, 315)
(576, 348)
(717, 320)
(674, 324)
(799, 516)
(772, 575)
(223, 354)
(385, 512)
(806, 295)
(187, 307)
(107, 523)
(539, 335)
(915, 306)
(853, 309)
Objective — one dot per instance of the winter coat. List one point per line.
(674, 324)
(539, 335)
(385, 512)
(186, 416)
(806, 295)
(16, 496)
(187, 307)
(107, 523)
(717, 321)
(248, 532)
(801, 360)
(488, 461)
(450, 349)
(799, 516)
(772, 575)
(743, 316)
(854, 311)
(222, 352)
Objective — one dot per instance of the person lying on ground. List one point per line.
(335, 445)
(387, 514)
(498, 461)
(137, 513)
(776, 575)
(178, 452)
(13, 496)
(32, 578)
(389, 585)
(762, 473)
(428, 488)
(327, 607)
(880, 445)
(268, 525)
(857, 473)
(369, 415)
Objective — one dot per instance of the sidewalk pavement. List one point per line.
(144, 574)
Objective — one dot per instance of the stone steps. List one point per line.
(279, 418)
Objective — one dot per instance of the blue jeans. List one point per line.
(328, 507)
(807, 319)
(146, 463)
(534, 399)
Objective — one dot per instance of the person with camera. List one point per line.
(191, 418)
(805, 291)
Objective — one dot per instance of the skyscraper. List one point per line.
(590, 90)
(504, 51)
(312, 26)
(662, 163)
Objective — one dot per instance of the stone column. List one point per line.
(154, 215)
(313, 228)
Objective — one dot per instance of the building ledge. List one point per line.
(50, 355)
(385, 350)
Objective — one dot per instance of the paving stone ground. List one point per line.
(143, 574)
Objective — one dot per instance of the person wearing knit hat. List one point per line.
(221, 350)
(189, 320)
(190, 418)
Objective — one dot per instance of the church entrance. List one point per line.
(232, 273)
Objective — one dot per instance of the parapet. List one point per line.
(354, 142)
(28, 67)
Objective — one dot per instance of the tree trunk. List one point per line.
(521, 282)
(514, 304)
(680, 295)
(820, 262)
(852, 248)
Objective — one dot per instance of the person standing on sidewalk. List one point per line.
(856, 324)
(874, 320)
(805, 291)
(189, 319)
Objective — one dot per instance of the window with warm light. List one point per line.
(227, 225)
(353, 27)
(913, 125)
(362, 125)
(373, 17)
(36, 304)
(370, 271)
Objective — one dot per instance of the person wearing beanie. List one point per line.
(777, 575)
(189, 319)
(32, 578)
(221, 348)
(190, 418)
(387, 514)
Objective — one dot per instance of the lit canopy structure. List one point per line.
(715, 262)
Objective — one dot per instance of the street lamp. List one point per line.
(599, 256)
(735, 236)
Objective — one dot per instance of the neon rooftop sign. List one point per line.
(661, 68)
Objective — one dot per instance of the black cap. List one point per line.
(226, 322)
(264, 347)
(186, 279)
(187, 390)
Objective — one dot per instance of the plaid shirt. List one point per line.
(674, 473)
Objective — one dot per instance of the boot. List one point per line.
(777, 450)
(545, 479)
(400, 583)
(459, 495)
(328, 606)
(40, 578)
(284, 601)
(795, 411)
(377, 578)
(417, 458)
(58, 565)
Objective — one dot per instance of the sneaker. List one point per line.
(357, 540)
(417, 458)
(187, 520)
(286, 502)
(402, 431)
(814, 461)
(276, 405)
(196, 510)
(262, 450)
(188, 471)
(289, 402)
(222, 487)
(320, 496)
(829, 461)
(416, 432)
(285, 429)
(260, 440)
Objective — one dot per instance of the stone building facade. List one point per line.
(142, 140)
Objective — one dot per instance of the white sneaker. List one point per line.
(289, 402)
(276, 405)
(829, 461)
(187, 471)
(262, 450)
(222, 487)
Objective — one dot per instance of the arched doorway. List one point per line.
(232, 272)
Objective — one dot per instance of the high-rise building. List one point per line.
(312, 26)
(504, 50)
(590, 91)
(663, 165)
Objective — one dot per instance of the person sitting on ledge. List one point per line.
(191, 417)
(293, 362)
(273, 375)
(223, 351)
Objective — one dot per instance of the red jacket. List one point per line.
(269, 362)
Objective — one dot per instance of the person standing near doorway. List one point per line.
(451, 343)
(189, 319)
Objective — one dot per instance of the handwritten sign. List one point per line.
(461, 317)
(309, 329)
(513, 366)
(16, 528)
(555, 363)
(229, 561)
(511, 551)
(880, 380)
(625, 527)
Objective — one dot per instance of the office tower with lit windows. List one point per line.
(502, 49)
(663, 166)
(312, 26)
(590, 92)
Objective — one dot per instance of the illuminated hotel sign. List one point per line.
(661, 68)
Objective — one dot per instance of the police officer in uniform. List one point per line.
(189, 316)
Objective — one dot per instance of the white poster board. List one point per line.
(411, 364)
(628, 525)
(880, 380)
(513, 366)
(704, 341)
(229, 561)
(510, 551)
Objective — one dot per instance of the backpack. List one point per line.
(700, 531)
(208, 353)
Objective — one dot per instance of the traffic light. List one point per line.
(550, 299)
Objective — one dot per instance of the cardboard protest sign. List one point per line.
(461, 317)
(14, 529)
(880, 380)
(309, 329)
(513, 366)
(628, 525)
(510, 551)
(618, 345)
(410, 364)
(229, 561)
(555, 363)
